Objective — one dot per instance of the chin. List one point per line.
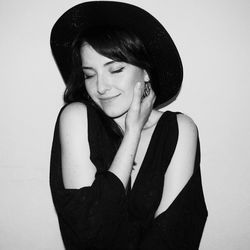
(114, 112)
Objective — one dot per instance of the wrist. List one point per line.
(133, 132)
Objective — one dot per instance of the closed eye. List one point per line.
(118, 70)
(88, 76)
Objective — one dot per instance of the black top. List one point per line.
(106, 216)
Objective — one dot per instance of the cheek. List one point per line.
(89, 88)
(132, 79)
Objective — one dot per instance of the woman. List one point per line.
(123, 174)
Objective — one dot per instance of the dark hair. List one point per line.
(112, 42)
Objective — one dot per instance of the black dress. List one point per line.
(106, 216)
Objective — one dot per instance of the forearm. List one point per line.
(125, 156)
(138, 114)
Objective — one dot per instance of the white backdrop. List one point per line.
(213, 39)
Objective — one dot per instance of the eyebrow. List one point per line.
(105, 64)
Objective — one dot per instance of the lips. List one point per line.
(108, 98)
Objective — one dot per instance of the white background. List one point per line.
(213, 39)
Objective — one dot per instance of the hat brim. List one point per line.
(161, 48)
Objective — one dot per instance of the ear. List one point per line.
(146, 76)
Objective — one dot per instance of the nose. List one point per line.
(103, 85)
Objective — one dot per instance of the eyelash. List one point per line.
(118, 70)
(86, 77)
(113, 72)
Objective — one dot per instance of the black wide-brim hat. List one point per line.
(161, 48)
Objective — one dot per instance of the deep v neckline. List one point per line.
(147, 154)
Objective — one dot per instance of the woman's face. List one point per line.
(109, 83)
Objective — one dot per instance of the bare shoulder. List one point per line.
(181, 166)
(187, 126)
(187, 140)
(77, 169)
(73, 126)
(74, 112)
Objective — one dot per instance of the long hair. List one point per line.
(112, 42)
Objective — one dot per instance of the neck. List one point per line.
(153, 118)
(121, 121)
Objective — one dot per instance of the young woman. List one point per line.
(124, 175)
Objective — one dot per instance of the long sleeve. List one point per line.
(89, 217)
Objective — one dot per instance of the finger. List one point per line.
(152, 101)
(152, 95)
(136, 101)
(149, 94)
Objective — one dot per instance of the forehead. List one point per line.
(90, 56)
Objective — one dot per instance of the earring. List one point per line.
(146, 91)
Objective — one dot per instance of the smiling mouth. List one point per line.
(105, 99)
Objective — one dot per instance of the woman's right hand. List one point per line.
(140, 108)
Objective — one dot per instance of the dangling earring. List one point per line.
(146, 90)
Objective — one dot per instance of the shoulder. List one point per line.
(187, 126)
(182, 122)
(77, 169)
(73, 110)
(182, 163)
(185, 129)
(73, 113)
(187, 137)
(73, 119)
